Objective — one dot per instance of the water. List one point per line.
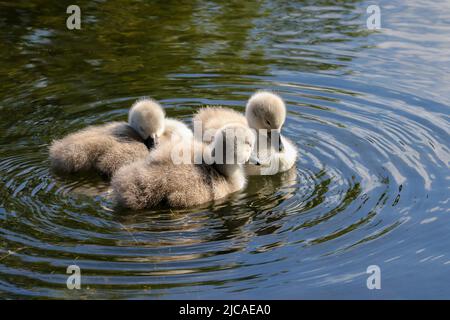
(368, 111)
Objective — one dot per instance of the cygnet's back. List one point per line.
(212, 119)
(175, 130)
(104, 148)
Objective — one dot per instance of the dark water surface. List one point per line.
(368, 111)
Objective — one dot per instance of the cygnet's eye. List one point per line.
(268, 122)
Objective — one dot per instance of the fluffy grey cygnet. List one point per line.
(159, 181)
(106, 148)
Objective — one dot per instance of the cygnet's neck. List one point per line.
(230, 170)
(133, 126)
(234, 175)
(263, 145)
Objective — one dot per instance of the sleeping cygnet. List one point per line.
(106, 148)
(265, 112)
(159, 180)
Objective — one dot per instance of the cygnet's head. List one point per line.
(233, 144)
(266, 110)
(146, 117)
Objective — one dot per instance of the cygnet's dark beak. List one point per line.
(280, 144)
(150, 142)
(254, 160)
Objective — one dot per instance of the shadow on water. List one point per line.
(372, 134)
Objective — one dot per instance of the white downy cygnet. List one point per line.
(266, 113)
